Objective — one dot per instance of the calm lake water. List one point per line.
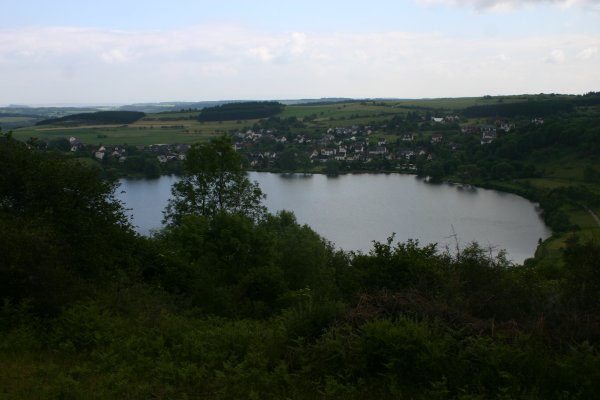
(353, 210)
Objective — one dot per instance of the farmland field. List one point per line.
(144, 132)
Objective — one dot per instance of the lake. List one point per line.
(353, 210)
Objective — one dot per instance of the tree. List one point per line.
(435, 171)
(214, 182)
(332, 168)
(288, 160)
(61, 228)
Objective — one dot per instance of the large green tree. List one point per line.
(214, 182)
(60, 227)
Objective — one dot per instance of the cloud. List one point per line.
(513, 4)
(556, 57)
(588, 54)
(48, 65)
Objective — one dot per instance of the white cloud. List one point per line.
(513, 4)
(588, 54)
(298, 43)
(115, 56)
(262, 53)
(556, 57)
(223, 61)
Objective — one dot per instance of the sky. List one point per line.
(128, 51)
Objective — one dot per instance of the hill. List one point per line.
(97, 118)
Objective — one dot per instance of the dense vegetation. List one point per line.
(241, 111)
(97, 118)
(530, 109)
(229, 301)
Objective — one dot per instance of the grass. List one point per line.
(583, 219)
(140, 133)
(16, 120)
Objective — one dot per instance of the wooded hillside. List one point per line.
(241, 111)
(102, 117)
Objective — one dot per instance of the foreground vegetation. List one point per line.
(229, 301)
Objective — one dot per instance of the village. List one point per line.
(358, 147)
(366, 145)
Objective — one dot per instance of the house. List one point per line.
(437, 120)
(328, 138)
(408, 137)
(487, 138)
(436, 138)
(76, 144)
(506, 127)
(421, 152)
(487, 129)
(537, 121)
(407, 154)
(359, 148)
(328, 152)
(378, 151)
(469, 129)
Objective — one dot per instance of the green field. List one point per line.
(144, 132)
(13, 120)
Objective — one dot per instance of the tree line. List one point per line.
(102, 117)
(241, 111)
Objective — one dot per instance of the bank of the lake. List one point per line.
(352, 210)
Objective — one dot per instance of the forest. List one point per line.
(240, 111)
(229, 301)
(100, 117)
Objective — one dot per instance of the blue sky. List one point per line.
(65, 52)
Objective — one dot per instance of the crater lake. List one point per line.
(353, 210)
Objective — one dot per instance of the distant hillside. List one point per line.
(16, 120)
(240, 111)
(533, 107)
(175, 106)
(102, 117)
(199, 105)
